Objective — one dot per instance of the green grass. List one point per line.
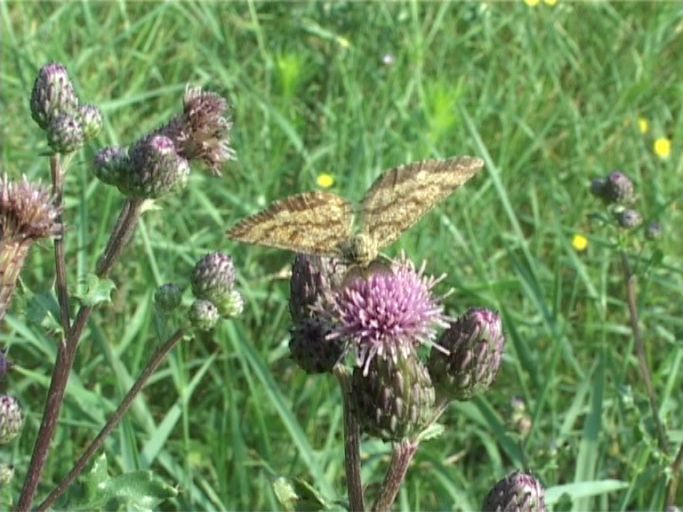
(548, 96)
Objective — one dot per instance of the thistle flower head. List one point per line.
(629, 219)
(53, 94)
(518, 491)
(155, 168)
(204, 315)
(387, 313)
(202, 131)
(213, 279)
(26, 212)
(11, 418)
(475, 347)
(90, 118)
(112, 165)
(618, 188)
(313, 279)
(65, 134)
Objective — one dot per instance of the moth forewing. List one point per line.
(312, 223)
(400, 197)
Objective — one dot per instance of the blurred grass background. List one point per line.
(550, 96)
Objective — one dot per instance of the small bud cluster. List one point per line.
(617, 191)
(159, 162)
(57, 110)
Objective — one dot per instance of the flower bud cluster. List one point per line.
(57, 110)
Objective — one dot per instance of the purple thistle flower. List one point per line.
(387, 313)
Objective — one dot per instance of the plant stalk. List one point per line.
(66, 354)
(61, 288)
(354, 484)
(155, 361)
(403, 453)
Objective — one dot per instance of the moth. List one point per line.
(324, 224)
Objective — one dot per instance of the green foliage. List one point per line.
(548, 96)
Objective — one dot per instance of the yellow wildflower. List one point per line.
(325, 180)
(532, 3)
(579, 243)
(662, 148)
(550, 2)
(643, 125)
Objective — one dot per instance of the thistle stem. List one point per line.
(157, 358)
(61, 288)
(403, 453)
(66, 354)
(354, 484)
(675, 475)
(630, 279)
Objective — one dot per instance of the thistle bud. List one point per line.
(90, 118)
(395, 399)
(618, 188)
(598, 187)
(213, 277)
(629, 219)
(6, 474)
(475, 344)
(312, 278)
(311, 349)
(231, 304)
(518, 492)
(654, 231)
(53, 94)
(168, 297)
(112, 165)
(155, 169)
(11, 418)
(203, 315)
(65, 134)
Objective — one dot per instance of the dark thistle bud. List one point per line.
(654, 231)
(11, 418)
(53, 94)
(26, 215)
(112, 165)
(311, 349)
(202, 131)
(155, 169)
(629, 219)
(598, 187)
(618, 188)
(168, 297)
(395, 399)
(213, 277)
(475, 344)
(312, 279)
(203, 315)
(90, 118)
(65, 134)
(518, 492)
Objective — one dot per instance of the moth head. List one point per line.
(360, 249)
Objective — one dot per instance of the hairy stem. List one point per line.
(630, 279)
(400, 461)
(95, 445)
(61, 288)
(354, 484)
(66, 355)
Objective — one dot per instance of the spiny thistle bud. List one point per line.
(311, 349)
(313, 278)
(11, 418)
(231, 304)
(475, 344)
(168, 297)
(629, 219)
(203, 315)
(53, 94)
(26, 215)
(618, 188)
(90, 118)
(112, 165)
(654, 231)
(6, 474)
(395, 400)
(387, 313)
(213, 277)
(65, 134)
(202, 131)
(155, 169)
(518, 492)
